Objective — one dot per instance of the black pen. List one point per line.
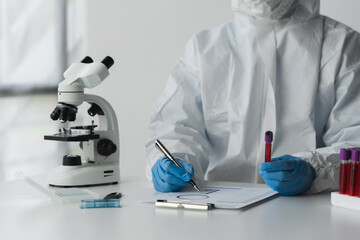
(163, 149)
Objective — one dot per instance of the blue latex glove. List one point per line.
(167, 177)
(287, 174)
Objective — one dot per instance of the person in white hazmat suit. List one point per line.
(279, 66)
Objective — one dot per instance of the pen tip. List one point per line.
(197, 188)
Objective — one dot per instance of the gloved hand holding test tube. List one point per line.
(287, 174)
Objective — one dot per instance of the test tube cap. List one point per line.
(355, 155)
(344, 154)
(268, 137)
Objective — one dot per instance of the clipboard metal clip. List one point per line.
(185, 205)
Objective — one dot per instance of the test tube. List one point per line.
(354, 173)
(268, 141)
(357, 177)
(344, 172)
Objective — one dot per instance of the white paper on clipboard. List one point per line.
(225, 197)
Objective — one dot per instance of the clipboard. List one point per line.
(213, 197)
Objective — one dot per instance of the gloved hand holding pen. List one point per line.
(167, 177)
(287, 174)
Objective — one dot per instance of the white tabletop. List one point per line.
(27, 214)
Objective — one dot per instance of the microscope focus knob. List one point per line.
(71, 160)
(106, 147)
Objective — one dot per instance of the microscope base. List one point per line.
(85, 175)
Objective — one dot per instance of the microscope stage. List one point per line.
(72, 137)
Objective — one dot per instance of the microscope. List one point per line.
(99, 163)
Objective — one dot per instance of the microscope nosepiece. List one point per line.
(64, 112)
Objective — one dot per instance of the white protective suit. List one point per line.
(294, 72)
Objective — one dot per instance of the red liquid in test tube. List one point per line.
(357, 177)
(268, 141)
(357, 181)
(354, 173)
(344, 171)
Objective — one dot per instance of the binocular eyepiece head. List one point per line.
(107, 61)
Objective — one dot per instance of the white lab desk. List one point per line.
(27, 214)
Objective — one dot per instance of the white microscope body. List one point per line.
(100, 159)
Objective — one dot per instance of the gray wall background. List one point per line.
(146, 38)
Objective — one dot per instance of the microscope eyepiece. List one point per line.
(87, 59)
(108, 62)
